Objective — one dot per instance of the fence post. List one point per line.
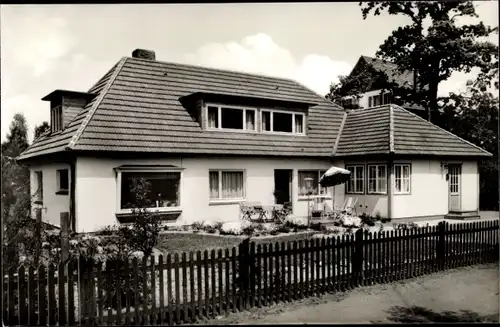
(38, 235)
(243, 254)
(441, 248)
(64, 236)
(357, 261)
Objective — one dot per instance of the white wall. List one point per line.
(470, 186)
(429, 191)
(363, 100)
(96, 189)
(53, 203)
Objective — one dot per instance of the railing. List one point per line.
(183, 288)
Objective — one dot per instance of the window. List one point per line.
(230, 118)
(162, 191)
(315, 186)
(56, 119)
(226, 185)
(377, 179)
(282, 122)
(402, 179)
(39, 186)
(357, 181)
(378, 100)
(62, 181)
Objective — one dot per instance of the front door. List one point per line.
(282, 186)
(454, 182)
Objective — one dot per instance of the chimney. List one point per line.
(144, 54)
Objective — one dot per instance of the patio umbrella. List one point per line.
(334, 176)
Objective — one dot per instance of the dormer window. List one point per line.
(230, 118)
(282, 122)
(56, 119)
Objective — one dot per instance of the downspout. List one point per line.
(390, 164)
(72, 209)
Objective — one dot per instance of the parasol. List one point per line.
(334, 176)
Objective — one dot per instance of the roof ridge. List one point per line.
(96, 104)
(391, 129)
(214, 69)
(339, 134)
(442, 129)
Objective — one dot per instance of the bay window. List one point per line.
(316, 188)
(356, 183)
(162, 189)
(282, 122)
(226, 185)
(402, 179)
(231, 118)
(377, 179)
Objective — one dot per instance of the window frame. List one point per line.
(401, 192)
(56, 119)
(327, 195)
(120, 171)
(293, 113)
(39, 183)
(219, 118)
(377, 178)
(221, 200)
(347, 191)
(60, 190)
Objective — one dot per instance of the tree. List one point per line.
(15, 183)
(39, 130)
(436, 51)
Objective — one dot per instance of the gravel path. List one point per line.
(468, 294)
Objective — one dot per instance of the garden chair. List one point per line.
(350, 206)
(247, 209)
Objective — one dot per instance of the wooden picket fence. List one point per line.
(183, 288)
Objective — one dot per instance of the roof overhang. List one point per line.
(59, 93)
(215, 96)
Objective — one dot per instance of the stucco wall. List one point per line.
(96, 187)
(363, 100)
(53, 203)
(470, 186)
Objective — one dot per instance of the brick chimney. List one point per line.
(144, 54)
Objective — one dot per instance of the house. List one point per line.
(208, 139)
(376, 75)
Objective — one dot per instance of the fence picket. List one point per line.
(227, 260)
(199, 283)
(289, 271)
(192, 288)
(258, 265)
(31, 296)
(185, 303)
(161, 286)
(177, 319)
(234, 279)
(220, 265)
(42, 303)
(265, 259)
(153, 312)
(21, 295)
(282, 277)
(206, 279)
(213, 283)
(307, 267)
(170, 296)
(301, 268)
(70, 271)
(317, 256)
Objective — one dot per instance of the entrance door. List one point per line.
(454, 182)
(282, 185)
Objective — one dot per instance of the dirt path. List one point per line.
(461, 295)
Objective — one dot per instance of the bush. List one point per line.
(197, 226)
(249, 230)
(318, 227)
(284, 229)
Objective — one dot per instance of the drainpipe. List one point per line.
(72, 209)
(390, 178)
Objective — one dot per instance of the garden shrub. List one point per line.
(197, 226)
(284, 229)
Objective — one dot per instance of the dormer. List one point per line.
(218, 112)
(64, 106)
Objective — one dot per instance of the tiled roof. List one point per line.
(138, 109)
(392, 129)
(403, 79)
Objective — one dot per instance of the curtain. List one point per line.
(214, 184)
(303, 185)
(299, 124)
(213, 117)
(266, 121)
(250, 120)
(232, 185)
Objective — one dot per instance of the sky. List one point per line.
(48, 47)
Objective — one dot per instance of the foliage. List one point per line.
(436, 51)
(40, 129)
